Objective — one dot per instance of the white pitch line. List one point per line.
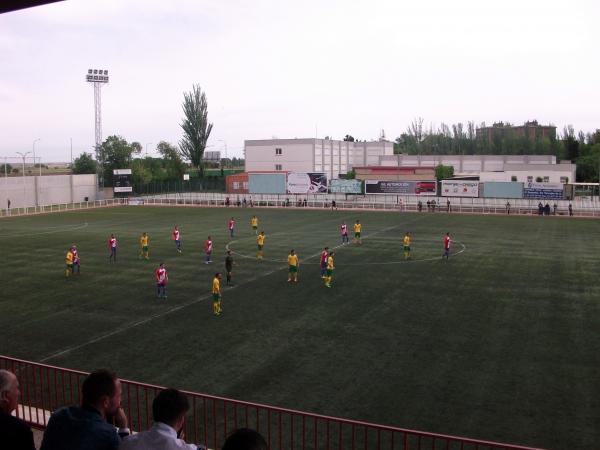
(386, 263)
(62, 230)
(173, 309)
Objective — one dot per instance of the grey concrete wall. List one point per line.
(46, 190)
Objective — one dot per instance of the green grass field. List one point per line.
(501, 342)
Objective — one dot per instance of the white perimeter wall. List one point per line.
(46, 190)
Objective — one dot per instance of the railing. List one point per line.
(219, 200)
(61, 207)
(393, 203)
(45, 388)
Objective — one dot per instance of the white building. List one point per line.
(529, 173)
(522, 168)
(313, 155)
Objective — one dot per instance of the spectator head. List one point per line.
(245, 439)
(102, 390)
(170, 406)
(9, 391)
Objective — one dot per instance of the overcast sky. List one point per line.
(286, 69)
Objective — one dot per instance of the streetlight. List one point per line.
(225, 143)
(24, 155)
(35, 140)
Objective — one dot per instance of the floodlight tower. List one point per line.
(98, 77)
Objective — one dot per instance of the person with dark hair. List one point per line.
(229, 267)
(89, 426)
(14, 433)
(216, 294)
(447, 242)
(245, 439)
(168, 412)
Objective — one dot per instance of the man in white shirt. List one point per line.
(168, 412)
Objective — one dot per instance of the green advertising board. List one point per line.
(345, 186)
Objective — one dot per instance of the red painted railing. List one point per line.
(45, 388)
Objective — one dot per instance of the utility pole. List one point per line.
(38, 139)
(24, 155)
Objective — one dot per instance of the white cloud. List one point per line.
(279, 68)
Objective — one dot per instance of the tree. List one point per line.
(443, 172)
(140, 173)
(348, 138)
(117, 154)
(171, 159)
(84, 163)
(137, 147)
(5, 168)
(588, 163)
(196, 128)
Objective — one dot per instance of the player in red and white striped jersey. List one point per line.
(112, 246)
(177, 238)
(324, 255)
(208, 248)
(161, 281)
(344, 232)
(447, 242)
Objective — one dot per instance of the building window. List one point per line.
(530, 179)
(277, 166)
(564, 180)
(546, 179)
(278, 151)
(513, 178)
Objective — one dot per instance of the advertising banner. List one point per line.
(122, 180)
(306, 183)
(548, 191)
(345, 186)
(460, 188)
(266, 183)
(502, 189)
(400, 187)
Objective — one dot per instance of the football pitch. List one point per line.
(500, 342)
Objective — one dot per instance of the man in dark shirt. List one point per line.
(229, 267)
(88, 426)
(14, 433)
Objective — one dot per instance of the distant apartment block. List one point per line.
(532, 130)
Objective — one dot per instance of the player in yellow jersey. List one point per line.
(330, 268)
(293, 264)
(254, 224)
(260, 241)
(357, 230)
(69, 263)
(216, 294)
(406, 244)
(144, 252)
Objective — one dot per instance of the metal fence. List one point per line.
(396, 203)
(205, 184)
(45, 388)
(61, 207)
